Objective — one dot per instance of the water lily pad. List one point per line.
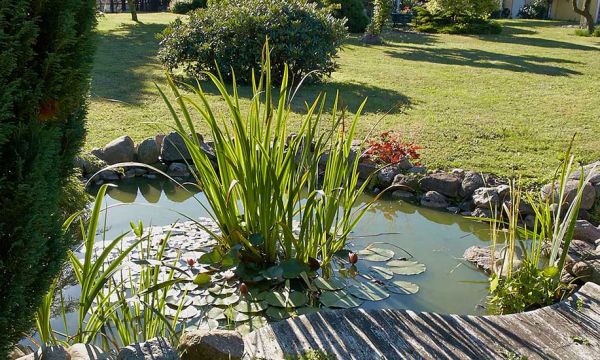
(236, 316)
(255, 323)
(251, 307)
(339, 299)
(216, 313)
(273, 272)
(368, 291)
(186, 313)
(286, 299)
(175, 301)
(406, 267)
(221, 290)
(278, 313)
(381, 273)
(306, 310)
(292, 268)
(227, 300)
(402, 287)
(376, 254)
(202, 324)
(331, 284)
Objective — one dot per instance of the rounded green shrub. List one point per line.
(352, 10)
(185, 6)
(232, 33)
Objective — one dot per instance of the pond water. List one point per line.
(434, 238)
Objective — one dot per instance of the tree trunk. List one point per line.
(131, 6)
(586, 13)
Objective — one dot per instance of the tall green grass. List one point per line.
(264, 179)
(527, 273)
(110, 312)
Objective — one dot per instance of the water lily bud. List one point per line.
(191, 262)
(243, 289)
(352, 257)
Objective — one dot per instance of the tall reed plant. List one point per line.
(264, 179)
(527, 273)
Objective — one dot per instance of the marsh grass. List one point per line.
(267, 178)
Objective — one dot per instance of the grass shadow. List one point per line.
(485, 59)
(125, 62)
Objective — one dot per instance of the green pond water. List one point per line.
(436, 239)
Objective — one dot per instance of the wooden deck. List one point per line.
(568, 330)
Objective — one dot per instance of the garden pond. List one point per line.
(444, 283)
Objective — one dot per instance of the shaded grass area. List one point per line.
(506, 104)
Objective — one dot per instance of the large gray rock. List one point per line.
(470, 183)
(486, 198)
(211, 344)
(588, 197)
(582, 250)
(153, 349)
(587, 270)
(405, 183)
(585, 231)
(87, 352)
(89, 164)
(445, 184)
(386, 176)
(148, 151)
(56, 352)
(403, 195)
(435, 200)
(178, 170)
(119, 150)
(174, 149)
(593, 168)
(481, 257)
(366, 168)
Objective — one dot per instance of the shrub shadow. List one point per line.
(125, 62)
(485, 59)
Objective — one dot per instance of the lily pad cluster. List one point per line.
(208, 287)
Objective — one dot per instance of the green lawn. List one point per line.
(504, 104)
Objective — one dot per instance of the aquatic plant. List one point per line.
(267, 178)
(527, 273)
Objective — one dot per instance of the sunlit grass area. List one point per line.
(506, 104)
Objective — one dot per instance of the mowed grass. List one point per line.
(506, 104)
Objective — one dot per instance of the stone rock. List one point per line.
(386, 176)
(417, 170)
(445, 184)
(109, 175)
(19, 351)
(174, 149)
(211, 344)
(434, 199)
(470, 183)
(405, 183)
(365, 168)
(588, 270)
(467, 205)
(588, 197)
(486, 198)
(480, 256)
(97, 152)
(178, 170)
(587, 169)
(159, 138)
(89, 164)
(584, 215)
(56, 352)
(566, 277)
(585, 231)
(581, 250)
(482, 213)
(148, 151)
(404, 164)
(403, 195)
(119, 150)
(153, 349)
(503, 191)
(87, 352)
(453, 209)
(529, 221)
(459, 173)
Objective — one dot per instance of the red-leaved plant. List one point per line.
(388, 148)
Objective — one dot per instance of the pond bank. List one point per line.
(567, 330)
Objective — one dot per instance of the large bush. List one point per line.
(185, 6)
(232, 33)
(45, 59)
(457, 17)
(352, 10)
(471, 8)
